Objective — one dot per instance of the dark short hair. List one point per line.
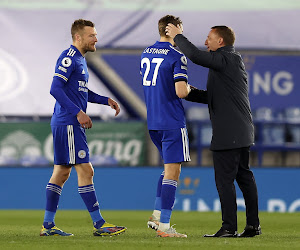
(163, 22)
(79, 25)
(226, 33)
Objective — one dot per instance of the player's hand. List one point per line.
(84, 120)
(172, 30)
(114, 105)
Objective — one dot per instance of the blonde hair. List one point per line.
(163, 22)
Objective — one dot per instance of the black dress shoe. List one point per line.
(250, 231)
(223, 233)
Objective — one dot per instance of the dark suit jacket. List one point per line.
(226, 95)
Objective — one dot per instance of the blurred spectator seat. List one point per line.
(292, 116)
(200, 115)
(271, 132)
(199, 129)
(196, 113)
(263, 114)
(276, 131)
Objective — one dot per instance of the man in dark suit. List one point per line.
(233, 130)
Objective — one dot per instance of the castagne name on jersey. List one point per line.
(156, 51)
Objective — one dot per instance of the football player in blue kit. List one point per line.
(69, 121)
(165, 82)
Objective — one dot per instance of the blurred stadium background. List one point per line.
(35, 32)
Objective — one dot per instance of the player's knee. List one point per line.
(173, 174)
(59, 178)
(85, 171)
(89, 170)
(65, 176)
(89, 173)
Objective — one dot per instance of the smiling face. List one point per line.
(213, 41)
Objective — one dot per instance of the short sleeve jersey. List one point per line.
(71, 67)
(161, 66)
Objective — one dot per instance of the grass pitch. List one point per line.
(19, 229)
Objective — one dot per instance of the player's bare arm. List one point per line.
(182, 89)
(114, 105)
(84, 120)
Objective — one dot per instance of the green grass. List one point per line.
(19, 229)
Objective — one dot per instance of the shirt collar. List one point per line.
(74, 48)
(166, 43)
(228, 48)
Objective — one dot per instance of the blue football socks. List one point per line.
(168, 191)
(53, 193)
(157, 204)
(88, 195)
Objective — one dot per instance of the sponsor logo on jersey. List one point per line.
(83, 89)
(66, 62)
(83, 86)
(62, 69)
(81, 154)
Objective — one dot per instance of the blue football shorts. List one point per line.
(173, 145)
(70, 145)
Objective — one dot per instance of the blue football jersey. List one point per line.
(161, 66)
(72, 68)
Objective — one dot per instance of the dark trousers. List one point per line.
(233, 165)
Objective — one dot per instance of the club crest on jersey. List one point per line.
(66, 62)
(183, 60)
(81, 154)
